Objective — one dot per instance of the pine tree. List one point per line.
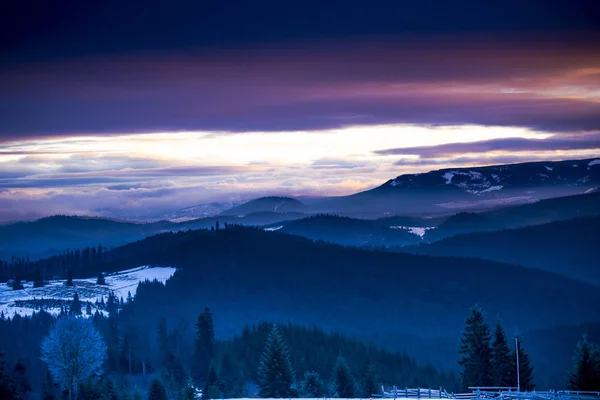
(501, 359)
(212, 387)
(344, 382)
(75, 305)
(586, 372)
(370, 380)
(22, 386)
(88, 308)
(157, 390)
(232, 379)
(17, 285)
(69, 281)
(525, 369)
(100, 280)
(188, 392)
(312, 386)
(125, 359)
(204, 344)
(275, 372)
(38, 280)
(162, 338)
(6, 383)
(475, 350)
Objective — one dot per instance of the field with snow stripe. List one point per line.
(52, 296)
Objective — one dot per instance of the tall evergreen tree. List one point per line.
(75, 308)
(525, 369)
(212, 386)
(233, 382)
(501, 359)
(586, 371)
(204, 344)
(7, 390)
(162, 338)
(312, 386)
(344, 382)
(20, 379)
(157, 390)
(100, 280)
(275, 372)
(475, 351)
(370, 380)
(38, 280)
(69, 281)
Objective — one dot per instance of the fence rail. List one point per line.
(487, 393)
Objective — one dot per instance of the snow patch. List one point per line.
(448, 177)
(275, 228)
(119, 283)
(415, 230)
(594, 162)
(548, 168)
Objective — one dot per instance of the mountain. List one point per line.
(283, 277)
(51, 235)
(271, 204)
(566, 247)
(349, 231)
(537, 213)
(450, 189)
(54, 235)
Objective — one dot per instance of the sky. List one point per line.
(132, 108)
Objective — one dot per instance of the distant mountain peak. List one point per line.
(278, 204)
(489, 179)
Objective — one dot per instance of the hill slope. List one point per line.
(54, 235)
(282, 277)
(349, 231)
(540, 212)
(566, 247)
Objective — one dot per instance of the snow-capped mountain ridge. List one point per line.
(490, 179)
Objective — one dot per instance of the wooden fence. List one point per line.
(486, 393)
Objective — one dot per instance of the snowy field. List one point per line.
(415, 230)
(52, 296)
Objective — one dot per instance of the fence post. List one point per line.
(406, 391)
(478, 393)
(429, 392)
(440, 392)
(419, 392)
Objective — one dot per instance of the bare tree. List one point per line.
(74, 351)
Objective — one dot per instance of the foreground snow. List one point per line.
(55, 294)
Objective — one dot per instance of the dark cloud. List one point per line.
(549, 86)
(589, 141)
(74, 28)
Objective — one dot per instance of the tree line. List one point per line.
(118, 361)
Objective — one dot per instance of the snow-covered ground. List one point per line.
(56, 293)
(415, 230)
(275, 228)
